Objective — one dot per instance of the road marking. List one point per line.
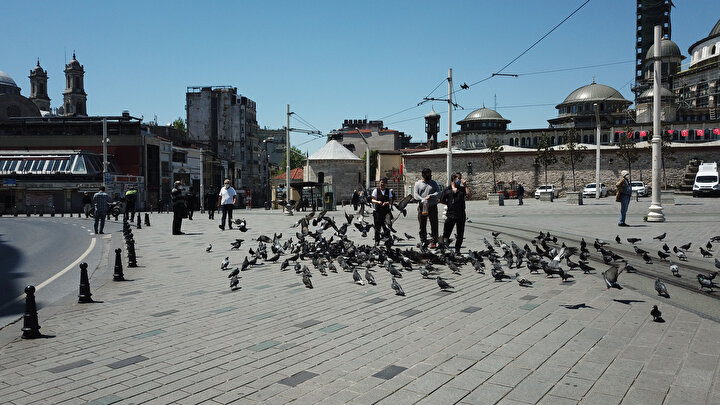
(56, 275)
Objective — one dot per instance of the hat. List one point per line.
(624, 173)
(384, 179)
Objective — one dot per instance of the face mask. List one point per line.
(227, 186)
(457, 182)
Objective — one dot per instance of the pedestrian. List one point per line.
(623, 194)
(427, 191)
(454, 198)
(520, 193)
(227, 197)
(87, 204)
(130, 200)
(210, 202)
(382, 199)
(100, 201)
(355, 199)
(179, 208)
(190, 204)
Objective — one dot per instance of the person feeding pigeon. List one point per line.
(624, 191)
(382, 199)
(454, 197)
(227, 197)
(427, 191)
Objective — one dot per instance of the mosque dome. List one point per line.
(432, 113)
(594, 92)
(668, 48)
(6, 80)
(664, 93)
(484, 114)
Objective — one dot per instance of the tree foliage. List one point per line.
(297, 159)
(545, 154)
(179, 124)
(574, 153)
(373, 163)
(495, 158)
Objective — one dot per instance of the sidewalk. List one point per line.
(176, 333)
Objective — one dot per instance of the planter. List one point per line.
(546, 196)
(495, 199)
(574, 198)
(667, 197)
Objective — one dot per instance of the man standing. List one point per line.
(454, 197)
(87, 203)
(624, 192)
(226, 201)
(210, 202)
(100, 200)
(427, 191)
(190, 204)
(520, 193)
(130, 199)
(382, 199)
(355, 200)
(179, 208)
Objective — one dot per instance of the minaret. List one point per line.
(74, 97)
(432, 127)
(38, 88)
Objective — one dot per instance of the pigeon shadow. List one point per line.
(627, 302)
(659, 320)
(577, 306)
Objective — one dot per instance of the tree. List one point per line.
(297, 159)
(627, 151)
(574, 153)
(179, 124)
(373, 162)
(495, 158)
(545, 154)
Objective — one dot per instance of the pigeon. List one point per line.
(274, 258)
(634, 240)
(242, 224)
(647, 258)
(369, 277)
(681, 255)
(715, 238)
(611, 276)
(617, 239)
(705, 282)
(705, 253)
(363, 227)
(639, 251)
(396, 286)
(661, 289)
(523, 282)
(662, 255)
(564, 275)
(656, 314)
(674, 269)
(307, 281)
(585, 268)
(408, 236)
(709, 246)
(357, 279)
(686, 246)
(235, 280)
(245, 264)
(235, 272)
(236, 245)
(498, 274)
(661, 237)
(225, 263)
(666, 248)
(402, 204)
(208, 248)
(444, 286)
(717, 263)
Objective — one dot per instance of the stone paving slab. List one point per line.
(176, 333)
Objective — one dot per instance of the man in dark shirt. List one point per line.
(454, 197)
(382, 199)
(179, 209)
(87, 203)
(130, 199)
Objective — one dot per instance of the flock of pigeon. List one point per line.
(325, 248)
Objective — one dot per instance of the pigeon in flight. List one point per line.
(225, 263)
(396, 286)
(444, 286)
(656, 314)
(363, 227)
(661, 288)
(357, 279)
(661, 237)
(208, 248)
(611, 276)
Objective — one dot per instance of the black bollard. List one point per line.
(31, 328)
(84, 296)
(118, 275)
(139, 225)
(147, 219)
(132, 258)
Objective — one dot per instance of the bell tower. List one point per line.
(74, 97)
(38, 88)
(432, 127)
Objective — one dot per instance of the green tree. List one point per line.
(627, 151)
(373, 162)
(574, 153)
(495, 158)
(179, 124)
(297, 159)
(545, 154)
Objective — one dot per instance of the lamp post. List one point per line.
(266, 180)
(105, 141)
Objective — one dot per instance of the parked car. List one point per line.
(547, 188)
(590, 190)
(640, 188)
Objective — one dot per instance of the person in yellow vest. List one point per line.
(130, 199)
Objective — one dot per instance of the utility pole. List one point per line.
(656, 214)
(105, 155)
(597, 151)
(367, 159)
(287, 159)
(449, 146)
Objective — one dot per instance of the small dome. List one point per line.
(432, 113)
(37, 69)
(6, 79)
(715, 30)
(594, 92)
(483, 114)
(74, 64)
(668, 48)
(664, 93)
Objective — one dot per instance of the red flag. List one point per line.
(716, 131)
(643, 133)
(684, 132)
(700, 132)
(401, 167)
(671, 131)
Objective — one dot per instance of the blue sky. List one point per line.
(334, 60)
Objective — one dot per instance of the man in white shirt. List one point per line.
(226, 201)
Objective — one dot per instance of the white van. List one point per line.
(706, 180)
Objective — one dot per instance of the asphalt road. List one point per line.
(35, 251)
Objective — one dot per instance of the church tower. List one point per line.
(74, 97)
(38, 88)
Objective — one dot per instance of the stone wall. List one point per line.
(341, 174)
(520, 167)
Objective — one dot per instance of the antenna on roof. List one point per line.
(495, 104)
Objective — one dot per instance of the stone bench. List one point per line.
(546, 196)
(495, 199)
(574, 198)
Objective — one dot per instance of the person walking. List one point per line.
(190, 204)
(520, 193)
(454, 198)
(355, 199)
(210, 202)
(100, 201)
(130, 200)
(179, 208)
(87, 203)
(624, 192)
(382, 199)
(226, 201)
(427, 191)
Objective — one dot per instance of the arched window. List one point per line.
(522, 142)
